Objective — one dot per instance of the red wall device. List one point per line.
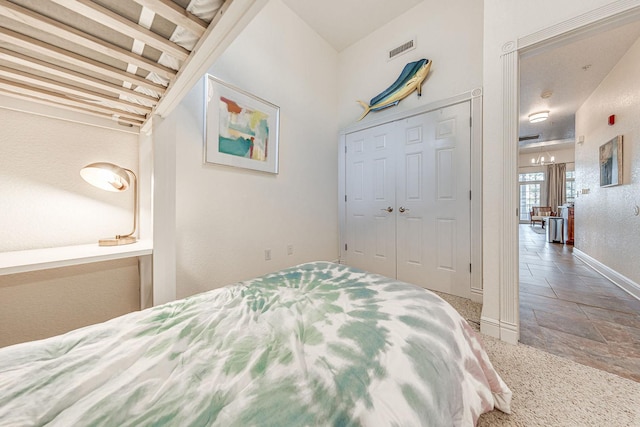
(612, 120)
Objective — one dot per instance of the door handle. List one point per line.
(402, 209)
(389, 209)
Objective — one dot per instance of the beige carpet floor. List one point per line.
(551, 391)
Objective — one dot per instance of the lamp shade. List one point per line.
(110, 177)
(106, 176)
(540, 116)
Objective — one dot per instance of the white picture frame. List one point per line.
(241, 130)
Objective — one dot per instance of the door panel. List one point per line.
(434, 193)
(414, 135)
(445, 171)
(370, 176)
(419, 167)
(380, 179)
(413, 240)
(357, 190)
(358, 229)
(380, 141)
(446, 244)
(413, 176)
(381, 246)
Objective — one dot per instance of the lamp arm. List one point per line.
(135, 205)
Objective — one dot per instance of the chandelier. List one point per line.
(542, 160)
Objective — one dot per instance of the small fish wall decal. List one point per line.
(411, 79)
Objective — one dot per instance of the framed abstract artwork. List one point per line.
(611, 162)
(241, 129)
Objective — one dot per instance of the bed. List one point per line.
(316, 344)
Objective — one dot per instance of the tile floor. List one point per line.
(570, 310)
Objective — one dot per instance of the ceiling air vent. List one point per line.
(403, 48)
(529, 137)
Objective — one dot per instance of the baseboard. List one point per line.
(509, 333)
(503, 331)
(624, 283)
(476, 295)
(490, 327)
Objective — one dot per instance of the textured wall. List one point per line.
(226, 217)
(448, 33)
(605, 225)
(45, 203)
(44, 303)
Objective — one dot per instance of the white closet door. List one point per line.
(433, 188)
(370, 209)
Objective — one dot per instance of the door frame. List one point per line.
(507, 327)
(474, 97)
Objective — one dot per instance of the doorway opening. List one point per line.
(559, 295)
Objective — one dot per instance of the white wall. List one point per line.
(506, 21)
(605, 224)
(45, 203)
(45, 303)
(448, 33)
(226, 217)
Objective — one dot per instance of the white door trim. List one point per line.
(475, 97)
(507, 327)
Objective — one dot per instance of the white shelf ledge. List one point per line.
(42, 259)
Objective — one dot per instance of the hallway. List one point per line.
(568, 309)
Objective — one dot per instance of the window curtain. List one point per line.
(556, 185)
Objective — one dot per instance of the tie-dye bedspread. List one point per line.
(319, 344)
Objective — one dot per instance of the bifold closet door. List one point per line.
(370, 205)
(433, 199)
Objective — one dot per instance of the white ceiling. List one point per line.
(571, 71)
(343, 22)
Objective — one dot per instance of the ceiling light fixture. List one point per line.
(541, 160)
(546, 94)
(110, 177)
(540, 116)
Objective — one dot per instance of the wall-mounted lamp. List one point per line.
(113, 178)
(540, 116)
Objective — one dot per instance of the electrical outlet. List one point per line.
(289, 249)
(267, 254)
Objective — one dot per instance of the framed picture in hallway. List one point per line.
(241, 129)
(611, 162)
